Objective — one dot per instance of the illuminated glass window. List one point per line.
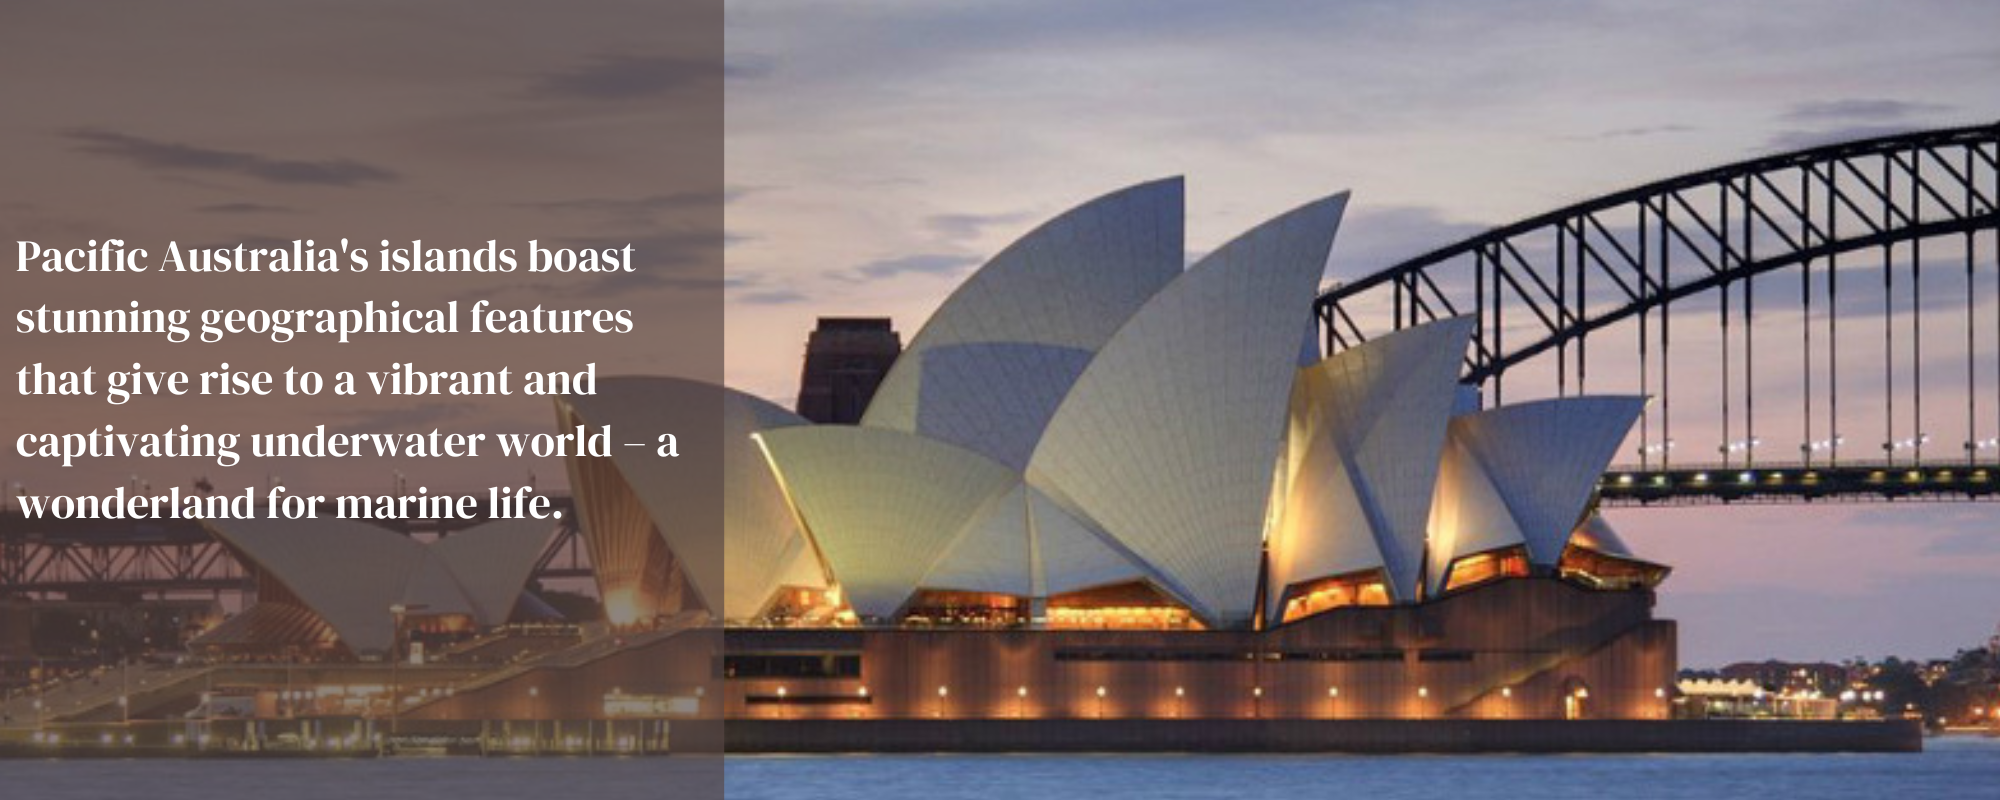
(1135, 605)
(1480, 568)
(1601, 571)
(1313, 597)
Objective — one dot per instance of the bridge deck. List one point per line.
(1707, 484)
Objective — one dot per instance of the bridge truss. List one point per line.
(1830, 278)
(114, 558)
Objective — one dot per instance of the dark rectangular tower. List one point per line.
(846, 358)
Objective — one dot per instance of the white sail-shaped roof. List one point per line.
(1597, 534)
(992, 553)
(351, 573)
(995, 398)
(757, 545)
(1032, 317)
(1072, 554)
(1169, 438)
(1545, 457)
(1468, 515)
(883, 506)
(1362, 467)
(763, 547)
(1025, 543)
(431, 588)
(493, 561)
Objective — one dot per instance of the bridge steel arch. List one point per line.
(1541, 286)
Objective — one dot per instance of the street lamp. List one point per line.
(1745, 447)
(207, 719)
(1831, 447)
(1021, 702)
(1660, 451)
(1100, 702)
(535, 718)
(1915, 443)
(1332, 697)
(396, 615)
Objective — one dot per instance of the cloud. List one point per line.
(156, 154)
(1983, 542)
(673, 259)
(751, 289)
(1637, 132)
(1955, 531)
(243, 208)
(745, 66)
(935, 264)
(254, 242)
(1850, 119)
(962, 227)
(772, 297)
(1867, 618)
(402, 417)
(635, 211)
(1861, 291)
(1805, 139)
(628, 77)
(1373, 238)
(1860, 109)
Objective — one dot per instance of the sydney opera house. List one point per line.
(1098, 483)
(1101, 483)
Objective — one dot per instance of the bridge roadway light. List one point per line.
(1913, 443)
(1742, 446)
(1660, 450)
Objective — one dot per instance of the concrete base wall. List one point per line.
(1296, 736)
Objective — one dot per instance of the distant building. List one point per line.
(846, 359)
(1785, 676)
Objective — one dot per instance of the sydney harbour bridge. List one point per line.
(1853, 289)
(1819, 325)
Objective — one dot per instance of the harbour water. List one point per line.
(1962, 767)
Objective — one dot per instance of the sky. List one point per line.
(878, 153)
(875, 153)
(213, 124)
